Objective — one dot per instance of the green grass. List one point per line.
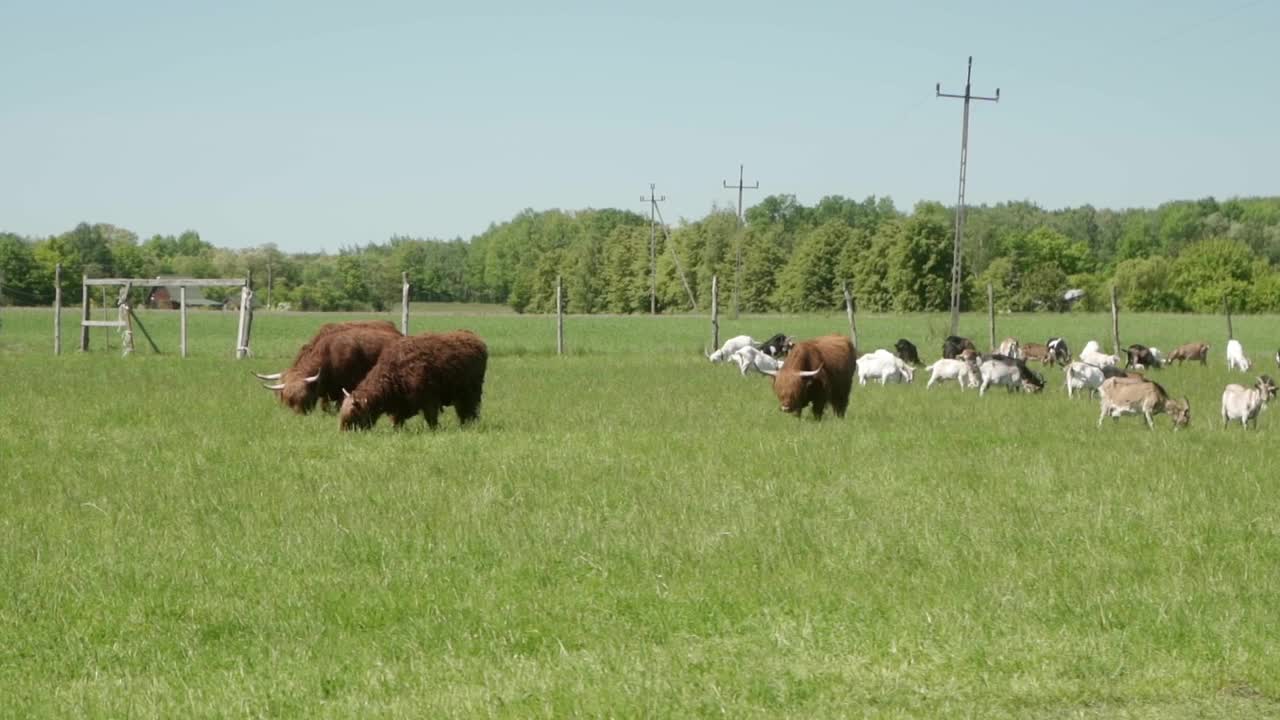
(628, 531)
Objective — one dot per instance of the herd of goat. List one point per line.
(368, 369)
(1123, 389)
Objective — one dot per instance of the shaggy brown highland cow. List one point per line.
(421, 373)
(816, 372)
(337, 357)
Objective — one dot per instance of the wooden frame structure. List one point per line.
(127, 317)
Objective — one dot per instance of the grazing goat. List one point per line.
(1140, 357)
(907, 351)
(1127, 396)
(1036, 351)
(1191, 351)
(1092, 355)
(749, 358)
(884, 366)
(1083, 376)
(1010, 372)
(731, 346)
(777, 346)
(1009, 348)
(953, 345)
(1243, 404)
(1059, 350)
(1235, 356)
(963, 371)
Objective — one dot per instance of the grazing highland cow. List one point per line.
(421, 373)
(337, 357)
(816, 372)
(1190, 351)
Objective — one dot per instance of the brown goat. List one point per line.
(1190, 351)
(421, 373)
(1036, 351)
(817, 372)
(1125, 396)
(337, 356)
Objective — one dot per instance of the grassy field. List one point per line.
(628, 531)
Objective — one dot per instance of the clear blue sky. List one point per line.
(316, 125)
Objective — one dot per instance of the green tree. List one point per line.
(808, 282)
(1210, 271)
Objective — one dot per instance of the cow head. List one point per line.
(299, 394)
(792, 388)
(355, 413)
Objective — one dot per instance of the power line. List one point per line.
(653, 201)
(964, 163)
(737, 266)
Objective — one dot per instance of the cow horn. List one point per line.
(767, 371)
(279, 386)
(272, 376)
(311, 379)
(345, 394)
(810, 373)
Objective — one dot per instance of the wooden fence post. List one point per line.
(559, 318)
(182, 320)
(1115, 322)
(715, 312)
(84, 313)
(848, 309)
(404, 303)
(242, 331)
(991, 317)
(1226, 306)
(57, 309)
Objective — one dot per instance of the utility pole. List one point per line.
(964, 162)
(737, 269)
(653, 201)
(269, 282)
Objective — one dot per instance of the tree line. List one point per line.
(1186, 256)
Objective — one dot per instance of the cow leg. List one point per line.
(431, 413)
(819, 407)
(468, 408)
(1151, 423)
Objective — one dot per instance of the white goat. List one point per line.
(1083, 376)
(1235, 356)
(884, 366)
(1243, 404)
(731, 346)
(1094, 356)
(957, 370)
(749, 358)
